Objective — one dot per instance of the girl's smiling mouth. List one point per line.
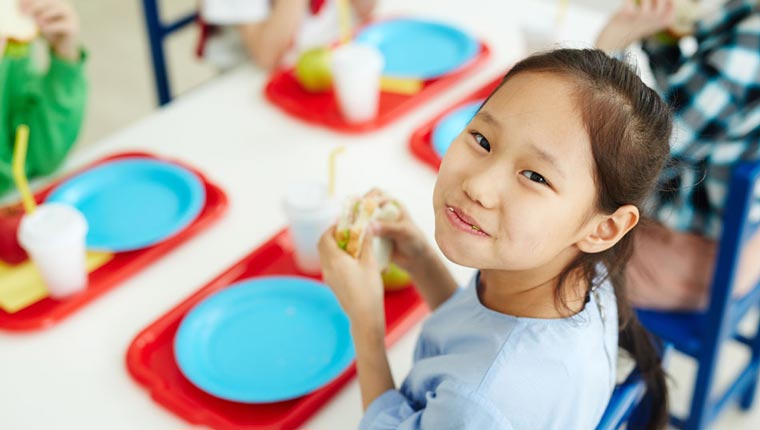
(463, 222)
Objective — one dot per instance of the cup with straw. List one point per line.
(310, 209)
(53, 234)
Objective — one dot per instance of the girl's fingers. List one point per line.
(26, 5)
(35, 7)
(659, 6)
(57, 27)
(327, 244)
(51, 14)
(367, 254)
(389, 229)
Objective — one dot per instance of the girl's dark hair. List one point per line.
(629, 126)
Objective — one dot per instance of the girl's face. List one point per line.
(515, 190)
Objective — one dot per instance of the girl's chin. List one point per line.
(457, 250)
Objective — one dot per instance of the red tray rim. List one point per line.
(431, 89)
(308, 405)
(141, 259)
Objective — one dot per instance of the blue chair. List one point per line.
(628, 407)
(624, 401)
(701, 334)
(158, 30)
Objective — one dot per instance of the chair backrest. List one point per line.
(624, 400)
(158, 30)
(740, 220)
(629, 406)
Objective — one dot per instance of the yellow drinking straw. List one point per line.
(561, 12)
(19, 174)
(331, 169)
(344, 15)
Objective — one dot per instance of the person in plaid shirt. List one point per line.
(715, 94)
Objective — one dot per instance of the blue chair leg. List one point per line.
(701, 409)
(156, 41)
(748, 397)
(640, 414)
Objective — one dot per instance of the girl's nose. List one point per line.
(483, 187)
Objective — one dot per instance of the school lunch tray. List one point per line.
(151, 361)
(322, 109)
(47, 312)
(421, 142)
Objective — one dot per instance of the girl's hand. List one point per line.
(364, 9)
(58, 23)
(356, 282)
(635, 21)
(409, 244)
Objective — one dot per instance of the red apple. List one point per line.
(10, 250)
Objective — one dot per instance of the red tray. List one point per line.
(48, 311)
(150, 358)
(321, 108)
(421, 143)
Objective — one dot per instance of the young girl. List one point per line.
(540, 193)
(269, 31)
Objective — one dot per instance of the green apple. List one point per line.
(313, 70)
(395, 278)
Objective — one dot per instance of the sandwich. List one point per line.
(14, 25)
(687, 13)
(357, 215)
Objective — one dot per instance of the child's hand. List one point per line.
(634, 22)
(58, 23)
(356, 282)
(364, 8)
(409, 244)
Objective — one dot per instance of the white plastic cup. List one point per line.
(356, 72)
(310, 212)
(54, 237)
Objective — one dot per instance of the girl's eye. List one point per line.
(533, 176)
(482, 141)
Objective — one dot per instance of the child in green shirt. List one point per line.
(50, 102)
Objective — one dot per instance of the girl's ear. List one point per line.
(609, 229)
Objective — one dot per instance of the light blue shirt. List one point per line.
(475, 368)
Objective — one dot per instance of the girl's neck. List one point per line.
(531, 295)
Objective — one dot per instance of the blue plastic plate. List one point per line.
(265, 340)
(449, 127)
(419, 49)
(133, 203)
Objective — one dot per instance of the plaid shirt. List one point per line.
(715, 94)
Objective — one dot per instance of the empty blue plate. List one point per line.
(265, 340)
(133, 203)
(449, 127)
(419, 49)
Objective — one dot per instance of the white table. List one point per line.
(73, 376)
